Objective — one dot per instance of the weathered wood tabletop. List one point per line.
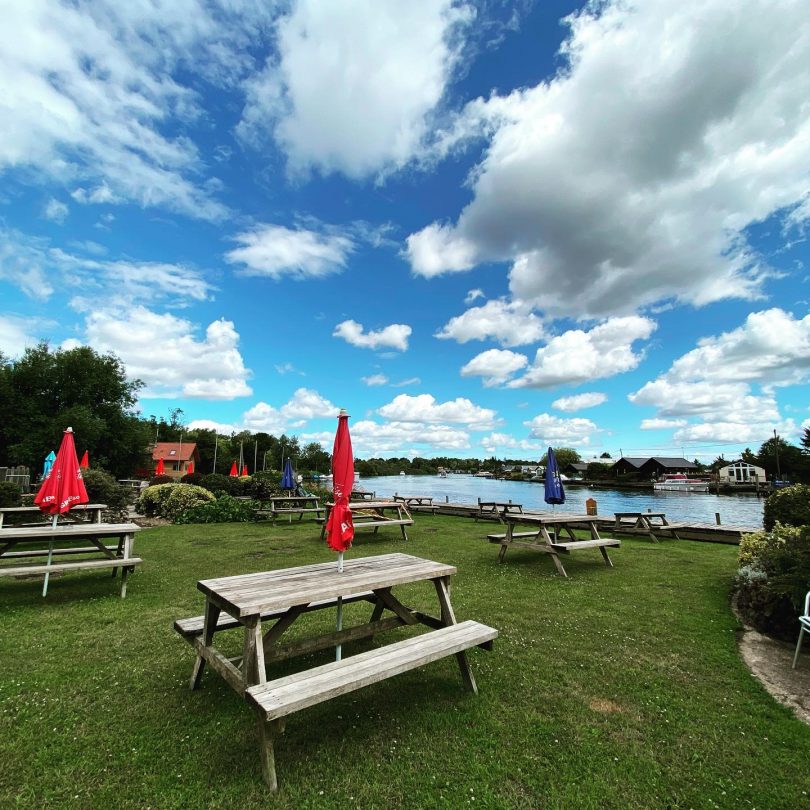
(645, 521)
(85, 511)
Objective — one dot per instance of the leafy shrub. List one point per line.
(217, 482)
(789, 506)
(225, 509)
(192, 478)
(774, 578)
(103, 488)
(184, 496)
(10, 494)
(153, 498)
(161, 479)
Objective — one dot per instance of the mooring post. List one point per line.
(717, 518)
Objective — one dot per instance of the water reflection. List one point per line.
(698, 507)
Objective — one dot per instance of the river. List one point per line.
(696, 507)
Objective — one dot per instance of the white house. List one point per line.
(740, 472)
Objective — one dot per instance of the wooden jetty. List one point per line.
(728, 533)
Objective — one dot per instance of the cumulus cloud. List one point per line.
(371, 438)
(424, 408)
(554, 430)
(496, 366)
(15, 335)
(700, 110)
(473, 295)
(733, 432)
(578, 402)
(771, 348)
(579, 356)
(394, 336)
(511, 324)
(662, 424)
(498, 443)
(353, 83)
(275, 251)
(186, 365)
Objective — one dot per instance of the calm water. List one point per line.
(699, 507)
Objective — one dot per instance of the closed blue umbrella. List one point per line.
(46, 468)
(554, 488)
(287, 479)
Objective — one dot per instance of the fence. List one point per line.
(17, 475)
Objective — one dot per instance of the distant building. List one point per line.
(741, 472)
(176, 457)
(577, 468)
(626, 465)
(657, 467)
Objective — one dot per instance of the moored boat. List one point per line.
(680, 482)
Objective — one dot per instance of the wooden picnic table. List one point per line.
(647, 522)
(292, 505)
(62, 542)
(497, 509)
(362, 495)
(425, 501)
(552, 543)
(280, 597)
(89, 512)
(374, 514)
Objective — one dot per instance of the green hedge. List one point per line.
(789, 506)
(10, 494)
(225, 509)
(170, 500)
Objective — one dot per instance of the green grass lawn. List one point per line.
(615, 688)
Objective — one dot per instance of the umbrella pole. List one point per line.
(338, 649)
(50, 557)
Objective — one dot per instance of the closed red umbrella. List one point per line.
(339, 527)
(245, 470)
(160, 469)
(234, 473)
(62, 489)
(190, 468)
(85, 462)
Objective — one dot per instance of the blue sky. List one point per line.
(481, 227)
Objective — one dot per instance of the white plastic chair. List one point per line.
(804, 621)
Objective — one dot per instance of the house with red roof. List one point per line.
(176, 457)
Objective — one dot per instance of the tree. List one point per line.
(45, 391)
(564, 455)
(805, 440)
(314, 458)
(605, 455)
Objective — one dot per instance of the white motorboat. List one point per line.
(680, 482)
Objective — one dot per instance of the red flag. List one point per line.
(245, 470)
(190, 468)
(339, 528)
(85, 462)
(161, 467)
(234, 473)
(64, 487)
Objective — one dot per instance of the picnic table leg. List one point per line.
(268, 731)
(449, 618)
(47, 573)
(253, 668)
(648, 526)
(606, 556)
(124, 574)
(506, 541)
(552, 553)
(209, 626)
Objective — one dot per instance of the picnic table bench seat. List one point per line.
(274, 700)
(30, 570)
(497, 510)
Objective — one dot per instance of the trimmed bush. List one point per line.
(152, 500)
(161, 479)
(789, 506)
(103, 488)
(192, 478)
(169, 500)
(225, 509)
(774, 578)
(10, 494)
(217, 482)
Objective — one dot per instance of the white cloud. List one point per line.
(165, 352)
(771, 347)
(496, 366)
(578, 402)
(15, 335)
(375, 379)
(631, 177)
(394, 336)
(395, 438)
(498, 443)
(733, 432)
(35, 267)
(354, 82)
(55, 211)
(662, 424)
(304, 405)
(222, 428)
(90, 95)
(553, 430)
(406, 382)
(275, 251)
(578, 356)
(424, 408)
(473, 295)
(511, 324)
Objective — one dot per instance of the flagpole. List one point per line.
(216, 445)
(339, 649)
